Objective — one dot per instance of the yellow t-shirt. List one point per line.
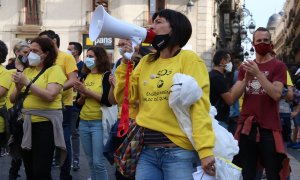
(11, 89)
(53, 74)
(91, 108)
(68, 64)
(5, 82)
(288, 79)
(150, 84)
(133, 109)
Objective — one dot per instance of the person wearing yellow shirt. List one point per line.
(21, 50)
(285, 110)
(5, 82)
(167, 152)
(90, 125)
(42, 108)
(68, 64)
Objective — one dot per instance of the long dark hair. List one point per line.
(47, 46)
(102, 61)
(181, 29)
(3, 52)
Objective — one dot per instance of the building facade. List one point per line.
(25, 19)
(286, 36)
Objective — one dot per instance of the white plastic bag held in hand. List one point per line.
(225, 170)
(201, 175)
(109, 117)
(225, 146)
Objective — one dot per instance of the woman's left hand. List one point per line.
(20, 78)
(80, 87)
(208, 166)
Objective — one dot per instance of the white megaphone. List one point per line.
(103, 24)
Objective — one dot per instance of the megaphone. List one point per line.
(103, 24)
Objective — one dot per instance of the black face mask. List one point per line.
(160, 42)
(23, 59)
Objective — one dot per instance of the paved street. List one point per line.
(83, 173)
(294, 156)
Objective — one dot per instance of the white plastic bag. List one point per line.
(225, 146)
(109, 117)
(184, 92)
(225, 170)
(201, 175)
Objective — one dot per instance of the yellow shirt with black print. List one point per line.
(150, 84)
(91, 108)
(53, 74)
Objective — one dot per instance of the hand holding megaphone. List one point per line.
(103, 24)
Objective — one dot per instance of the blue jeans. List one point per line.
(91, 136)
(75, 136)
(66, 167)
(166, 164)
(223, 124)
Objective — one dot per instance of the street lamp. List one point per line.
(235, 26)
(189, 5)
(251, 25)
(243, 32)
(238, 25)
(252, 51)
(246, 55)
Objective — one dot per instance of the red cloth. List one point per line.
(124, 119)
(244, 127)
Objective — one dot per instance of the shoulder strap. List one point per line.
(105, 89)
(18, 105)
(34, 79)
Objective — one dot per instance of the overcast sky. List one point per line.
(263, 9)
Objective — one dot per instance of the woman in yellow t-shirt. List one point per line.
(42, 108)
(90, 126)
(167, 152)
(5, 82)
(21, 50)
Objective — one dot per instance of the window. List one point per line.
(104, 3)
(32, 13)
(155, 5)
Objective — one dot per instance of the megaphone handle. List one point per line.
(135, 41)
(128, 55)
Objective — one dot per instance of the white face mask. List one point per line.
(228, 67)
(69, 52)
(120, 51)
(90, 63)
(34, 59)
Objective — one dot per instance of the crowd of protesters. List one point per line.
(61, 97)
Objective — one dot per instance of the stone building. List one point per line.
(286, 35)
(24, 19)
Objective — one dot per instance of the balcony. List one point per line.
(29, 18)
(29, 21)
